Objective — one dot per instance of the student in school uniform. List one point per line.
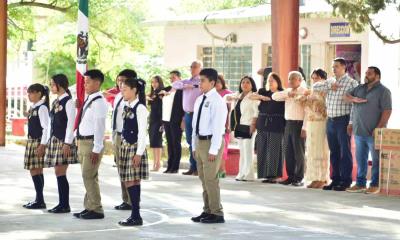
(117, 122)
(62, 149)
(209, 120)
(38, 120)
(133, 164)
(90, 128)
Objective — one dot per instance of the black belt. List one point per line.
(294, 121)
(91, 137)
(338, 118)
(208, 137)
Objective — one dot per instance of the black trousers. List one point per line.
(173, 133)
(294, 147)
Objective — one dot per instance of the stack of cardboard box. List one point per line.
(388, 142)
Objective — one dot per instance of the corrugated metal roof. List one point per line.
(259, 13)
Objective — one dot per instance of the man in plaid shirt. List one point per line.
(338, 119)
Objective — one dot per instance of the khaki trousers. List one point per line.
(208, 175)
(90, 175)
(117, 147)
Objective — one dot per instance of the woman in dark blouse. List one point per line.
(155, 128)
(270, 128)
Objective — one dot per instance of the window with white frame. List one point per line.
(304, 59)
(232, 62)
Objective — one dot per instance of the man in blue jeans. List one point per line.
(191, 91)
(338, 118)
(372, 107)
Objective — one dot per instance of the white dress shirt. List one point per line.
(142, 115)
(248, 108)
(212, 119)
(167, 102)
(119, 121)
(93, 121)
(294, 109)
(43, 113)
(70, 110)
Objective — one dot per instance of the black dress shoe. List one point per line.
(92, 215)
(272, 181)
(190, 172)
(329, 187)
(78, 215)
(173, 171)
(167, 171)
(131, 222)
(36, 205)
(201, 216)
(341, 188)
(212, 218)
(53, 209)
(297, 184)
(62, 210)
(29, 203)
(123, 206)
(286, 182)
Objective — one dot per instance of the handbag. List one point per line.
(242, 131)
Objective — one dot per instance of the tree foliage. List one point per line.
(359, 12)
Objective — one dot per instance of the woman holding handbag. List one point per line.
(243, 123)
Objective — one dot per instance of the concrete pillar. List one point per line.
(285, 37)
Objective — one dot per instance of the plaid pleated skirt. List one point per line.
(31, 160)
(126, 170)
(55, 153)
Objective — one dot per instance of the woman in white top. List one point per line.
(243, 123)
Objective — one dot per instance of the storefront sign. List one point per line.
(340, 29)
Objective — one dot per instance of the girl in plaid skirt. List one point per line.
(132, 163)
(38, 119)
(61, 150)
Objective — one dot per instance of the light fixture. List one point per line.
(303, 33)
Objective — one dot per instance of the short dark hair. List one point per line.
(176, 72)
(210, 73)
(253, 84)
(376, 70)
(95, 74)
(128, 73)
(341, 60)
(320, 73)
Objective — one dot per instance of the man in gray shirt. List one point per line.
(372, 107)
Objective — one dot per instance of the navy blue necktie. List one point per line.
(199, 114)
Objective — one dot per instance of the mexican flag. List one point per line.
(82, 48)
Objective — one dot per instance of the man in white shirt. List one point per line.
(209, 120)
(295, 133)
(91, 121)
(117, 123)
(173, 118)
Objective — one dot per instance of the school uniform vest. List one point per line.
(130, 128)
(59, 118)
(35, 129)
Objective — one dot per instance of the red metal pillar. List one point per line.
(285, 37)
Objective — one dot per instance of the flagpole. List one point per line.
(82, 48)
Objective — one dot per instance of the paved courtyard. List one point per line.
(252, 210)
